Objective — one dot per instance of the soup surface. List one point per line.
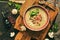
(35, 18)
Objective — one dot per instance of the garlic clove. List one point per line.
(51, 34)
(14, 11)
(12, 34)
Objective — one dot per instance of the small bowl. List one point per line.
(43, 26)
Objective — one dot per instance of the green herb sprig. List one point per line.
(16, 5)
(34, 12)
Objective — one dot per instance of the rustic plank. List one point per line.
(44, 32)
(52, 17)
(19, 36)
(38, 35)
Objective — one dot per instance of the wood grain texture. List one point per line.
(18, 22)
(27, 35)
(52, 17)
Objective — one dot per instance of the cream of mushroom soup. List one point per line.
(36, 18)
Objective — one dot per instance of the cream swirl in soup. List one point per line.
(36, 18)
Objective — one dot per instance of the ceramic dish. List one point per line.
(36, 18)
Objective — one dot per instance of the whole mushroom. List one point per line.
(12, 34)
(14, 11)
(23, 28)
(51, 34)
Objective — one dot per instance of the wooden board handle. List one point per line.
(26, 5)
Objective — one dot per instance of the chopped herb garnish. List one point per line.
(37, 10)
(17, 6)
(39, 24)
(34, 12)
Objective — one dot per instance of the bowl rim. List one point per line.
(42, 27)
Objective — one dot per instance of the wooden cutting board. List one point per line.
(28, 35)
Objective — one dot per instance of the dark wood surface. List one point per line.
(4, 33)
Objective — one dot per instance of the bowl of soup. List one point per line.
(36, 18)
